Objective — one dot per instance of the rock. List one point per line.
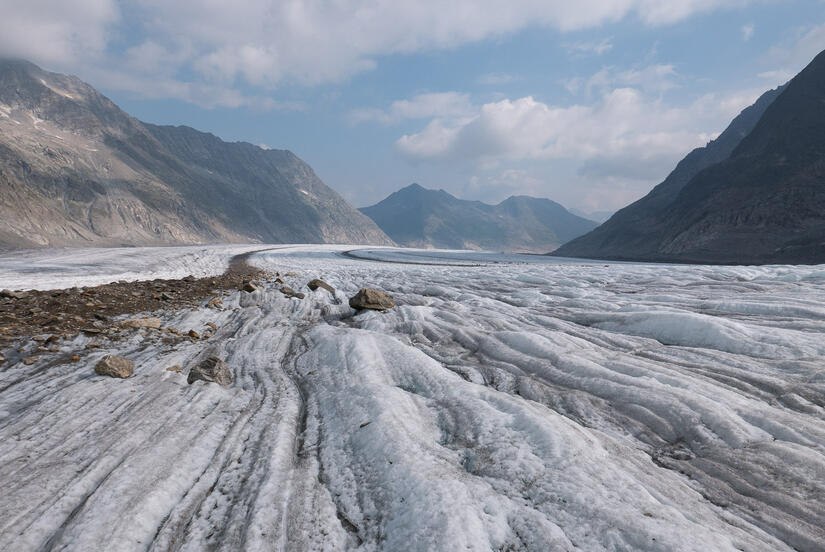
(371, 299)
(212, 369)
(289, 292)
(249, 287)
(28, 361)
(315, 284)
(2, 359)
(278, 280)
(115, 366)
(217, 302)
(93, 345)
(213, 326)
(194, 334)
(136, 323)
(166, 296)
(91, 331)
(9, 294)
(75, 358)
(175, 368)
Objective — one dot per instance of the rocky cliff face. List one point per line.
(77, 170)
(635, 231)
(417, 217)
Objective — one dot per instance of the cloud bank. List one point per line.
(268, 43)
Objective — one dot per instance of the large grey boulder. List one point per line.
(371, 299)
(212, 370)
(115, 366)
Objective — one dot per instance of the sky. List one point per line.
(589, 103)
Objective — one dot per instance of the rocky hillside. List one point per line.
(633, 232)
(76, 170)
(417, 217)
(756, 195)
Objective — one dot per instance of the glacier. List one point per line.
(509, 402)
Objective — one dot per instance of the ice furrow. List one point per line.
(522, 406)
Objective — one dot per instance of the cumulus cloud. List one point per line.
(624, 133)
(747, 32)
(56, 32)
(266, 43)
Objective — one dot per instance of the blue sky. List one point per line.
(589, 103)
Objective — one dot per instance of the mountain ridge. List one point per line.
(625, 235)
(415, 216)
(77, 170)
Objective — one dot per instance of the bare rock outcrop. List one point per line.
(115, 366)
(371, 299)
(213, 370)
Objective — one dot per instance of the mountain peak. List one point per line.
(77, 170)
(419, 217)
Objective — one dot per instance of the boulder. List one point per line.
(136, 323)
(371, 299)
(211, 369)
(174, 368)
(193, 334)
(28, 361)
(289, 292)
(115, 366)
(315, 284)
(216, 302)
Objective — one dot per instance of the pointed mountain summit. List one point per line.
(755, 195)
(419, 217)
(77, 170)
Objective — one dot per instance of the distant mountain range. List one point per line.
(76, 170)
(418, 217)
(754, 195)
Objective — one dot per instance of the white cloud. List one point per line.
(265, 43)
(56, 32)
(593, 48)
(422, 106)
(790, 57)
(747, 32)
(624, 133)
(656, 78)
